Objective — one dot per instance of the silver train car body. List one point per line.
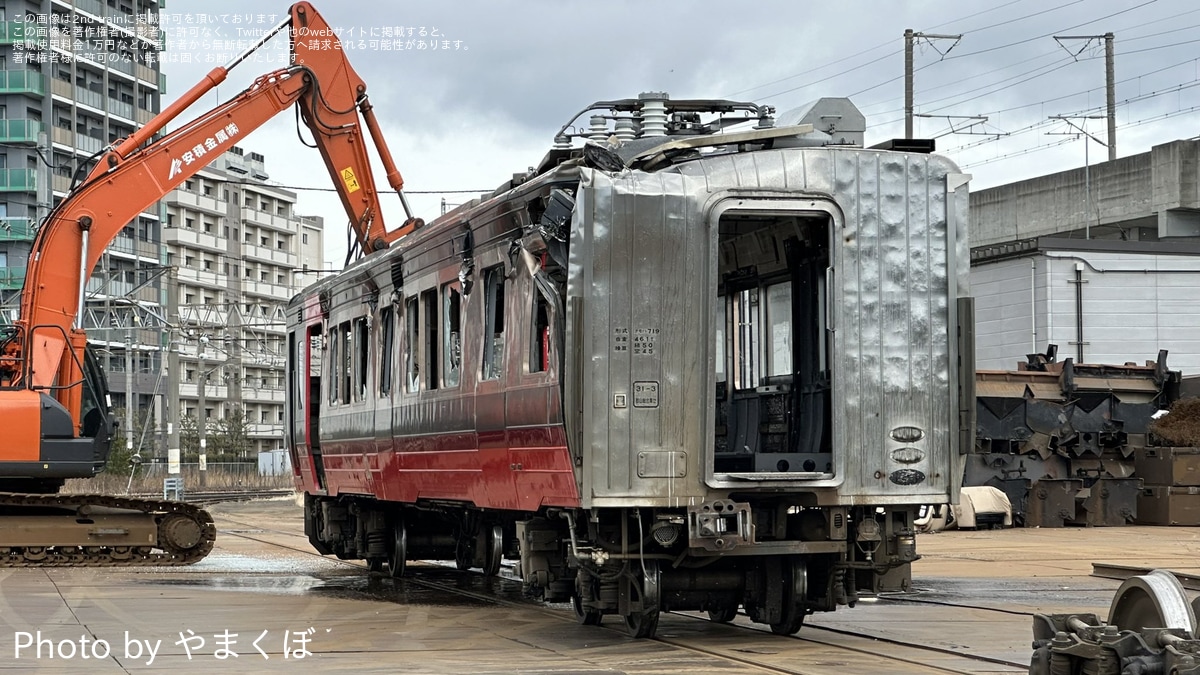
(759, 354)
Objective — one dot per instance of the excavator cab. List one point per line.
(63, 453)
(98, 421)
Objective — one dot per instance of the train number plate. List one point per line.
(645, 394)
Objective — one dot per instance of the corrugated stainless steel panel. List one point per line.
(643, 257)
(893, 338)
(644, 251)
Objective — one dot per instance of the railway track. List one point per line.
(203, 497)
(218, 496)
(816, 650)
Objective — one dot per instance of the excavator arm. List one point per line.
(43, 356)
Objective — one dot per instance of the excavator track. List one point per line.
(61, 530)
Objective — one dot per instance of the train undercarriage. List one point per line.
(776, 561)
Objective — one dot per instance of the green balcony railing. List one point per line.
(18, 180)
(22, 82)
(13, 31)
(16, 229)
(19, 131)
(12, 278)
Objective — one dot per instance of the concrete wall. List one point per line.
(1155, 190)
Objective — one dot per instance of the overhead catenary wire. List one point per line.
(1043, 123)
(1004, 46)
(306, 188)
(1075, 137)
(888, 42)
(1095, 109)
(1125, 39)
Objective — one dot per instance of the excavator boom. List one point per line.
(50, 388)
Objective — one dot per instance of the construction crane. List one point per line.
(54, 402)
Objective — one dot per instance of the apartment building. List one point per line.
(312, 250)
(237, 252)
(78, 74)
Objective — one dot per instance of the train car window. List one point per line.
(452, 342)
(539, 355)
(412, 337)
(779, 329)
(316, 342)
(429, 299)
(746, 357)
(334, 351)
(720, 356)
(493, 330)
(361, 353)
(344, 363)
(386, 342)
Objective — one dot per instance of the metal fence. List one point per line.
(148, 478)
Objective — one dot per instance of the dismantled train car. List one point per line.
(710, 360)
(1061, 438)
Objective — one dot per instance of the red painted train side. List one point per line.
(491, 466)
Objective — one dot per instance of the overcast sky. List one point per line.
(468, 117)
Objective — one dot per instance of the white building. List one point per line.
(1100, 301)
(236, 248)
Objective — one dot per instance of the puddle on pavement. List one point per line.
(1016, 591)
(232, 563)
(353, 584)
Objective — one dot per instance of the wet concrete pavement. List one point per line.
(263, 596)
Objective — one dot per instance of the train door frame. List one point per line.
(767, 206)
(387, 316)
(314, 393)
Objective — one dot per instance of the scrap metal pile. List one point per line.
(1151, 629)
(1060, 438)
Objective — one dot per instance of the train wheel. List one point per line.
(642, 624)
(398, 558)
(586, 616)
(795, 579)
(643, 621)
(463, 555)
(1154, 600)
(723, 614)
(495, 551)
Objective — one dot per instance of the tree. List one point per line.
(119, 456)
(189, 439)
(230, 436)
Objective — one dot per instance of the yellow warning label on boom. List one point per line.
(350, 180)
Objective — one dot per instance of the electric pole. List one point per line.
(129, 394)
(1109, 81)
(201, 414)
(1111, 95)
(909, 37)
(1087, 168)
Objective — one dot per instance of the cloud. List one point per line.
(469, 117)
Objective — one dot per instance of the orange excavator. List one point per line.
(54, 404)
